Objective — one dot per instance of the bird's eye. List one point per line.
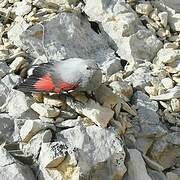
(88, 68)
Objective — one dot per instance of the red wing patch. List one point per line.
(45, 83)
(65, 86)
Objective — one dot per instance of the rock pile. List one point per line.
(129, 128)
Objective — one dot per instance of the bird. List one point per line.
(73, 74)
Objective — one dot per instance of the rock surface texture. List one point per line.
(129, 127)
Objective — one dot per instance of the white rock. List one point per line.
(87, 142)
(3, 3)
(17, 63)
(30, 128)
(151, 90)
(53, 101)
(172, 93)
(144, 8)
(13, 169)
(22, 8)
(172, 176)
(174, 22)
(52, 154)
(154, 15)
(122, 88)
(98, 114)
(4, 69)
(45, 110)
(167, 55)
(106, 97)
(175, 104)
(134, 42)
(136, 167)
(163, 18)
(18, 26)
(167, 83)
(17, 103)
(11, 80)
(92, 45)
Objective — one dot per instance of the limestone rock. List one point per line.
(82, 40)
(6, 128)
(149, 123)
(174, 22)
(16, 30)
(17, 63)
(4, 69)
(133, 42)
(175, 104)
(98, 114)
(52, 154)
(17, 103)
(122, 88)
(3, 96)
(163, 18)
(144, 8)
(167, 55)
(167, 83)
(12, 169)
(53, 101)
(86, 143)
(31, 128)
(45, 110)
(22, 8)
(136, 167)
(166, 150)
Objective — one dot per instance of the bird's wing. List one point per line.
(46, 78)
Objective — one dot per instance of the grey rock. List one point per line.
(12, 169)
(97, 151)
(140, 78)
(148, 118)
(18, 26)
(6, 128)
(3, 96)
(156, 175)
(136, 167)
(11, 80)
(111, 67)
(17, 103)
(166, 150)
(133, 41)
(74, 38)
(4, 69)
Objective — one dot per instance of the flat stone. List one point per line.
(74, 27)
(136, 167)
(22, 8)
(45, 110)
(167, 55)
(52, 154)
(163, 16)
(144, 8)
(6, 128)
(31, 128)
(174, 22)
(13, 169)
(172, 176)
(167, 83)
(98, 114)
(3, 96)
(53, 101)
(17, 63)
(122, 88)
(17, 103)
(4, 69)
(166, 150)
(175, 104)
(86, 142)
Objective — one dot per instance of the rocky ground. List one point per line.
(130, 128)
